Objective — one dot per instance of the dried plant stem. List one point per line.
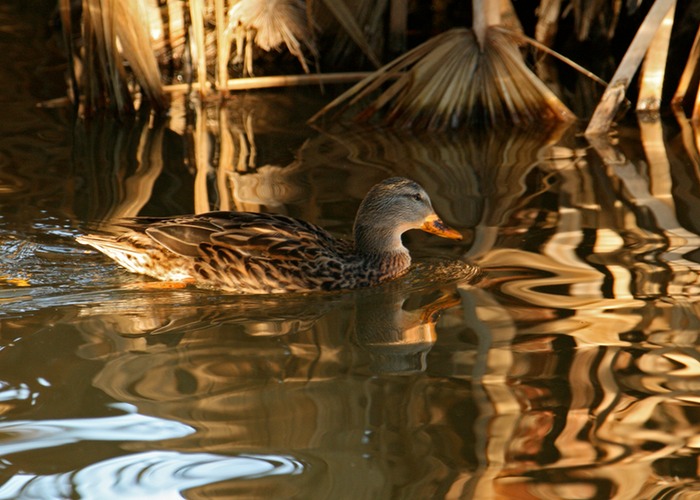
(548, 17)
(226, 158)
(117, 51)
(690, 78)
(201, 160)
(615, 93)
(485, 13)
(654, 67)
(264, 82)
(222, 53)
(197, 16)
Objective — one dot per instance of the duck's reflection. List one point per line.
(398, 331)
(395, 322)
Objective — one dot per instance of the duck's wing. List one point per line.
(180, 234)
(253, 252)
(248, 234)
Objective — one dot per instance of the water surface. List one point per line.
(570, 371)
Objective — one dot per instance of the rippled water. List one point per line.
(570, 371)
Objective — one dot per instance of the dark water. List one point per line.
(571, 371)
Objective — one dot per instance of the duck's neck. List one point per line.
(377, 240)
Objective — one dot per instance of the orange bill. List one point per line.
(433, 224)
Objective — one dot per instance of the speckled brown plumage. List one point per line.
(247, 252)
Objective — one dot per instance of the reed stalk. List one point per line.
(615, 93)
(547, 21)
(654, 66)
(485, 13)
(222, 52)
(266, 82)
(690, 79)
(226, 158)
(202, 150)
(197, 43)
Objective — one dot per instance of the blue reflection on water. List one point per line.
(23, 435)
(153, 474)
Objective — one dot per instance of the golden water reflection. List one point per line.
(437, 392)
(569, 371)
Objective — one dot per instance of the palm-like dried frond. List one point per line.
(272, 23)
(115, 35)
(135, 41)
(117, 53)
(449, 81)
(103, 66)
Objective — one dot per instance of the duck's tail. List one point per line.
(141, 257)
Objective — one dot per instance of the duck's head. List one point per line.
(391, 208)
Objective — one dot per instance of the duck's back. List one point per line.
(260, 253)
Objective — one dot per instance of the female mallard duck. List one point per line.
(247, 252)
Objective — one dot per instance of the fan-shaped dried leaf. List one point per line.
(449, 80)
(136, 48)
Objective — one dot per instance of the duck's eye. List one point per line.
(417, 197)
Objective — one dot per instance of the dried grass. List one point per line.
(117, 52)
(601, 14)
(364, 17)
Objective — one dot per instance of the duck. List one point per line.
(265, 253)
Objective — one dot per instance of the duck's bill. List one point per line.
(433, 224)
